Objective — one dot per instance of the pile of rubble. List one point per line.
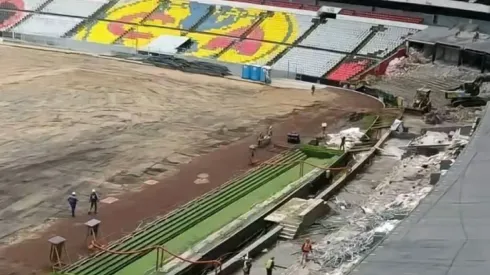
(404, 64)
(453, 115)
(355, 228)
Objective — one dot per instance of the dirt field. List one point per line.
(73, 123)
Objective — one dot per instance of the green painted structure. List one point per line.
(186, 227)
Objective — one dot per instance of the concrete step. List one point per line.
(286, 236)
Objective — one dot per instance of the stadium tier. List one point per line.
(339, 35)
(47, 25)
(282, 27)
(230, 21)
(83, 8)
(13, 12)
(252, 52)
(383, 16)
(350, 68)
(176, 14)
(308, 61)
(386, 41)
(206, 45)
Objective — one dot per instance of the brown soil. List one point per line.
(130, 127)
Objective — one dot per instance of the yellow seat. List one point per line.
(108, 32)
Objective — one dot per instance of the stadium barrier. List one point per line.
(119, 51)
(65, 44)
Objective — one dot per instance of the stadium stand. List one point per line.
(12, 14)
(350, 68)
(284, 4)
(32, 5)
(385, 41)
(339, 35)
(208, 46)
(383, 16)
(141, 36)
(47, 25)
(282, 27)
(230, 21)
(83, 8)
(308, 61)
(304, 5)
(252, 52)
(178, 14)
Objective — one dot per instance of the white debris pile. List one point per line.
(432, 138)
(352, 136)
(397, 66)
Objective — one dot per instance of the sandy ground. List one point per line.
(73, 123)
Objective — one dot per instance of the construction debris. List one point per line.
(454, 115)
(358, 225)
(352, 136)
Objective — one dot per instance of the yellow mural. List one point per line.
(139, 22)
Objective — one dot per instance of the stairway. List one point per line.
(163, 5)
(295, 43)
(90, 19)
(353, 53)
(261, 19)
(201, 20)
(290, 228)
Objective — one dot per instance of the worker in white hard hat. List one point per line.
(72, 200)
(94, 199)
(269, 131)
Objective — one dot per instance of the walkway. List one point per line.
(448, 233)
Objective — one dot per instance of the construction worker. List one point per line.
(313, 89)
(260, 138)
(247, 265)
(269, 131)
(94, 199)
(252, 149)
(342, 143)
(306, 249)
(72, 200)
(269, 266)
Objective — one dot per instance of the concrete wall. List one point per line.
(64, 43)
(447, 55)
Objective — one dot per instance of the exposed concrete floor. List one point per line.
(72, 123)
(437, 77)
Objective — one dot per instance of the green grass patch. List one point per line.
(320, 152)
(227, 215)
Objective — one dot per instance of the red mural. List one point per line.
(119, 29)
(246, 47)
(11, 13)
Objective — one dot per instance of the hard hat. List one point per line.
(73, 193)
(93, 190)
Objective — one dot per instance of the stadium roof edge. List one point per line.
(261, 7)
(456, 5)
(445, 36)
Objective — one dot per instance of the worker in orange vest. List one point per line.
(306, 249)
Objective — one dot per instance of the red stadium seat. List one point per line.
(384, 16)
(283, 4)
(349, 69)
(310, 7)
